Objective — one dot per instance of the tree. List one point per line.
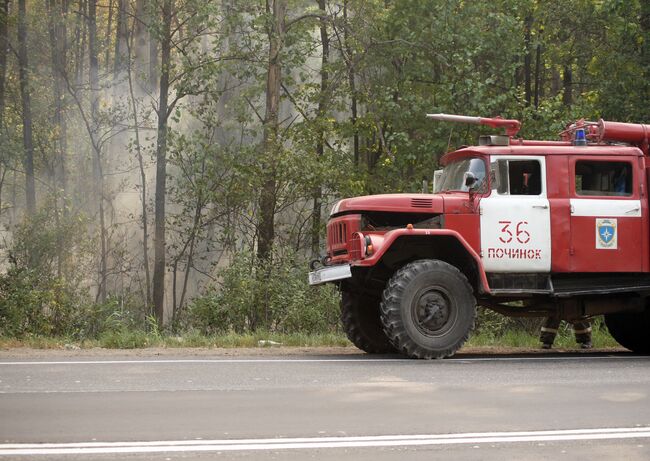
(4, 42)
(162, 111)
(320, 143)
(25, 96)
(271, 144)
(195, 19)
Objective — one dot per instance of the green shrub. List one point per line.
(116, 314)
(33, 303)
(125, 338)
(41, 292)
(23, 302)
(274, 298)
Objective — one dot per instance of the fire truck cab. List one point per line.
(525, 228)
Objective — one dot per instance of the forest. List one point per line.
(171, 164)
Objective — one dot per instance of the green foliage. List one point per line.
(43, 292)
(125, 338)
(27, 306)
(40, 293)
(274, 298)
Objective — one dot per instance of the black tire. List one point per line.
(360, 319)
(630, 330)
(428, 309)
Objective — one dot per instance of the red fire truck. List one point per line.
(525, 228)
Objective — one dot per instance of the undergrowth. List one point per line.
(135, 339)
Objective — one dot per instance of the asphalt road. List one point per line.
(351, 406)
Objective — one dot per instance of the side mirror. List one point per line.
(436, 180)
(470, 180)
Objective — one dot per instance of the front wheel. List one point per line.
(428, 309)
(360, 319)
(630, 330)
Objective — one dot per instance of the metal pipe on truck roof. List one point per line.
(455, 118)
(511, 127)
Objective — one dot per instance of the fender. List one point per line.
(383, 242)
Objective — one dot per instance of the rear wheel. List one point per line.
(428, 309)
(630, 330)
(360, 319)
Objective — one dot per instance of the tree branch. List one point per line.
(290, 23)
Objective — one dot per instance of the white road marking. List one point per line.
(92, 448)
(454, 360)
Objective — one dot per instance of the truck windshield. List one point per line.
(454, 175)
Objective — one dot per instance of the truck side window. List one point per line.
(516, 177)
(603, 178)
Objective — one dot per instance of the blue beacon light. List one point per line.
(581, 138)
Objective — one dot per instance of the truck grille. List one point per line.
(421, 202)
(339, 235)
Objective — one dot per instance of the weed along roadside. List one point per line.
(496, 340)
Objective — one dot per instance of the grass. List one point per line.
(137, 339)
(524, 339)
(124, 338)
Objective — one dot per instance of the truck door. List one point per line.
(606, 217)
(515, 217)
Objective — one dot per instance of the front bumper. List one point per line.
(330, 274)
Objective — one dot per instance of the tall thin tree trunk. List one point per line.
(28, 144)
(556, 84)
(121, 40)
(161, 167)
(567, 83)
(3, 174)
(190, 258)
(143, 182)
(58, 40)
(353, 87)
(198, 209)
(14, 196)
(538, 75)
(317, 194)
(58, 44)
(97, 163)
(4, 42)
(80, 39)
(107, 36)
(270, 144)
(528, 87)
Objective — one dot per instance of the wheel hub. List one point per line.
(432, 312)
